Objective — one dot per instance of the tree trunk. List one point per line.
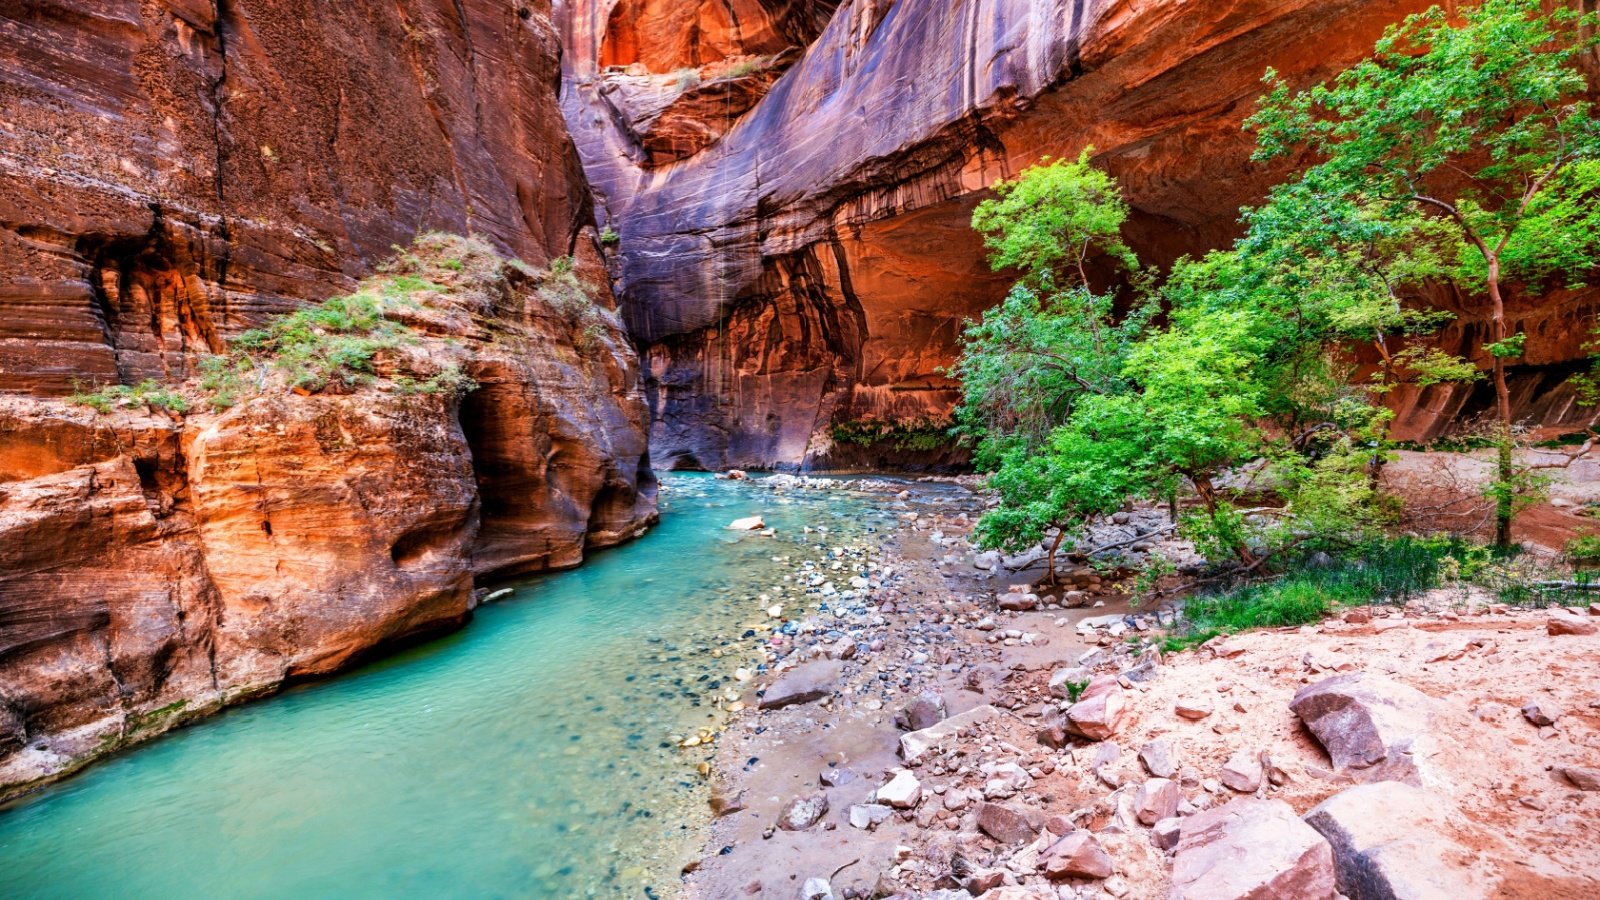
(1208, 494)
(1505, 472)
(1050, 558)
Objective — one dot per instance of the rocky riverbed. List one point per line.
(942, 731)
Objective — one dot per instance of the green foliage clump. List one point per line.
(332, 343)
(568, 297)
(609, 237)
(1584, 548)
(923, 434)
(1379, 571)
(150, 394)
(1474, 144)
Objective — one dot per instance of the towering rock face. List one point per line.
(809, 260)
(178, 172)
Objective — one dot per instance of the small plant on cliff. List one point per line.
(450, 379)
(609, 237)
(686, 79)
(1474, 137)
(568, 297)
(924, 434)
(332, 343)
(149, 393)
(749, 66)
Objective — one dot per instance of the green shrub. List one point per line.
(1584, 548)
(922, 434)
(149, 393)
(1312, 587)
(608, 237)
(334, 342)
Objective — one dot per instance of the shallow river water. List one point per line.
(528, 755)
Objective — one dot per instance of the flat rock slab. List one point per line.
(803, 684)
(1567, 623)
(1009, 824)
(1251, 850)
(915, 743)
(1372, 727)
(1078, 855)
(1388, 844)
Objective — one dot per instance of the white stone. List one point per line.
(902, 792)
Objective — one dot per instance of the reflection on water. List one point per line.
(528, 755)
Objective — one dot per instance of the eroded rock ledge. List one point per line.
(154, 568)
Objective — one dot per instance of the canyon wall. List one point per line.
(179, 172)
(806, 258)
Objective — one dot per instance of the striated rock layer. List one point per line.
(154, 568)
(813, 265)
(178, 172)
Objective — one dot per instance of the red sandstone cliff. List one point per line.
(812, 262)
(154, 566)
(178, 172)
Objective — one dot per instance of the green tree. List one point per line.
(1080, 411)
(1474, 138)
(1054, 340)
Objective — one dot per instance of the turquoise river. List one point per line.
(528, 755)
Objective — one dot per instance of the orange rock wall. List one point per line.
(814, 264)
(176, 172)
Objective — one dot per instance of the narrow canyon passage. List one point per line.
(526, 755)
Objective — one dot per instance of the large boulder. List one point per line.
(803, 684)
(1374, 729)
(1100, 709)
(1388, 844)
(1251, 850)
(1567, 623)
